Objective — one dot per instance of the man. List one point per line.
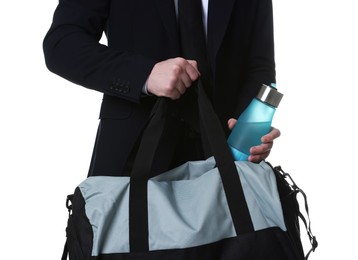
(144, 60)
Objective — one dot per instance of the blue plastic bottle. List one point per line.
(254, 122)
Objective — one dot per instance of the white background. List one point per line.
(48, 125)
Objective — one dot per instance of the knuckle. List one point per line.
(180, 61)
(177, 70)
(194, 62)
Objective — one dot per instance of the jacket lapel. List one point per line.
(218, 19)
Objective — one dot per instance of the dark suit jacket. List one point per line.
(141, 33)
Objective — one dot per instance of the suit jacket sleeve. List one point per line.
(72, 50)
(260, 60)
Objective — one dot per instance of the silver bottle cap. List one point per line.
(269, 95)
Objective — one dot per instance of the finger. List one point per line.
(231, 123)
(259, 157)
(271, 136)
(194, 63)
(184, 80)
(181, 87)
(173, 90)
(261, 149)
(192, 70)
(174, 95)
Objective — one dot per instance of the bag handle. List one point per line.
(212, 129)
(225, 162)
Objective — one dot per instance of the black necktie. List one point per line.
(193, 47)
(192, 36)
(191, 28)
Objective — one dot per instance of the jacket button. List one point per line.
(125, 89)
(121, 86)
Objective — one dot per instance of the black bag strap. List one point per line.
(296, 190)
(138, 206)
(212, 129)
(225, 162)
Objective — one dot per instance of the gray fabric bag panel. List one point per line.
(186, 206)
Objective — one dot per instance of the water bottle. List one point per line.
(254, 122)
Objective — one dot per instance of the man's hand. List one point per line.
(262, 151)
(171, 78)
